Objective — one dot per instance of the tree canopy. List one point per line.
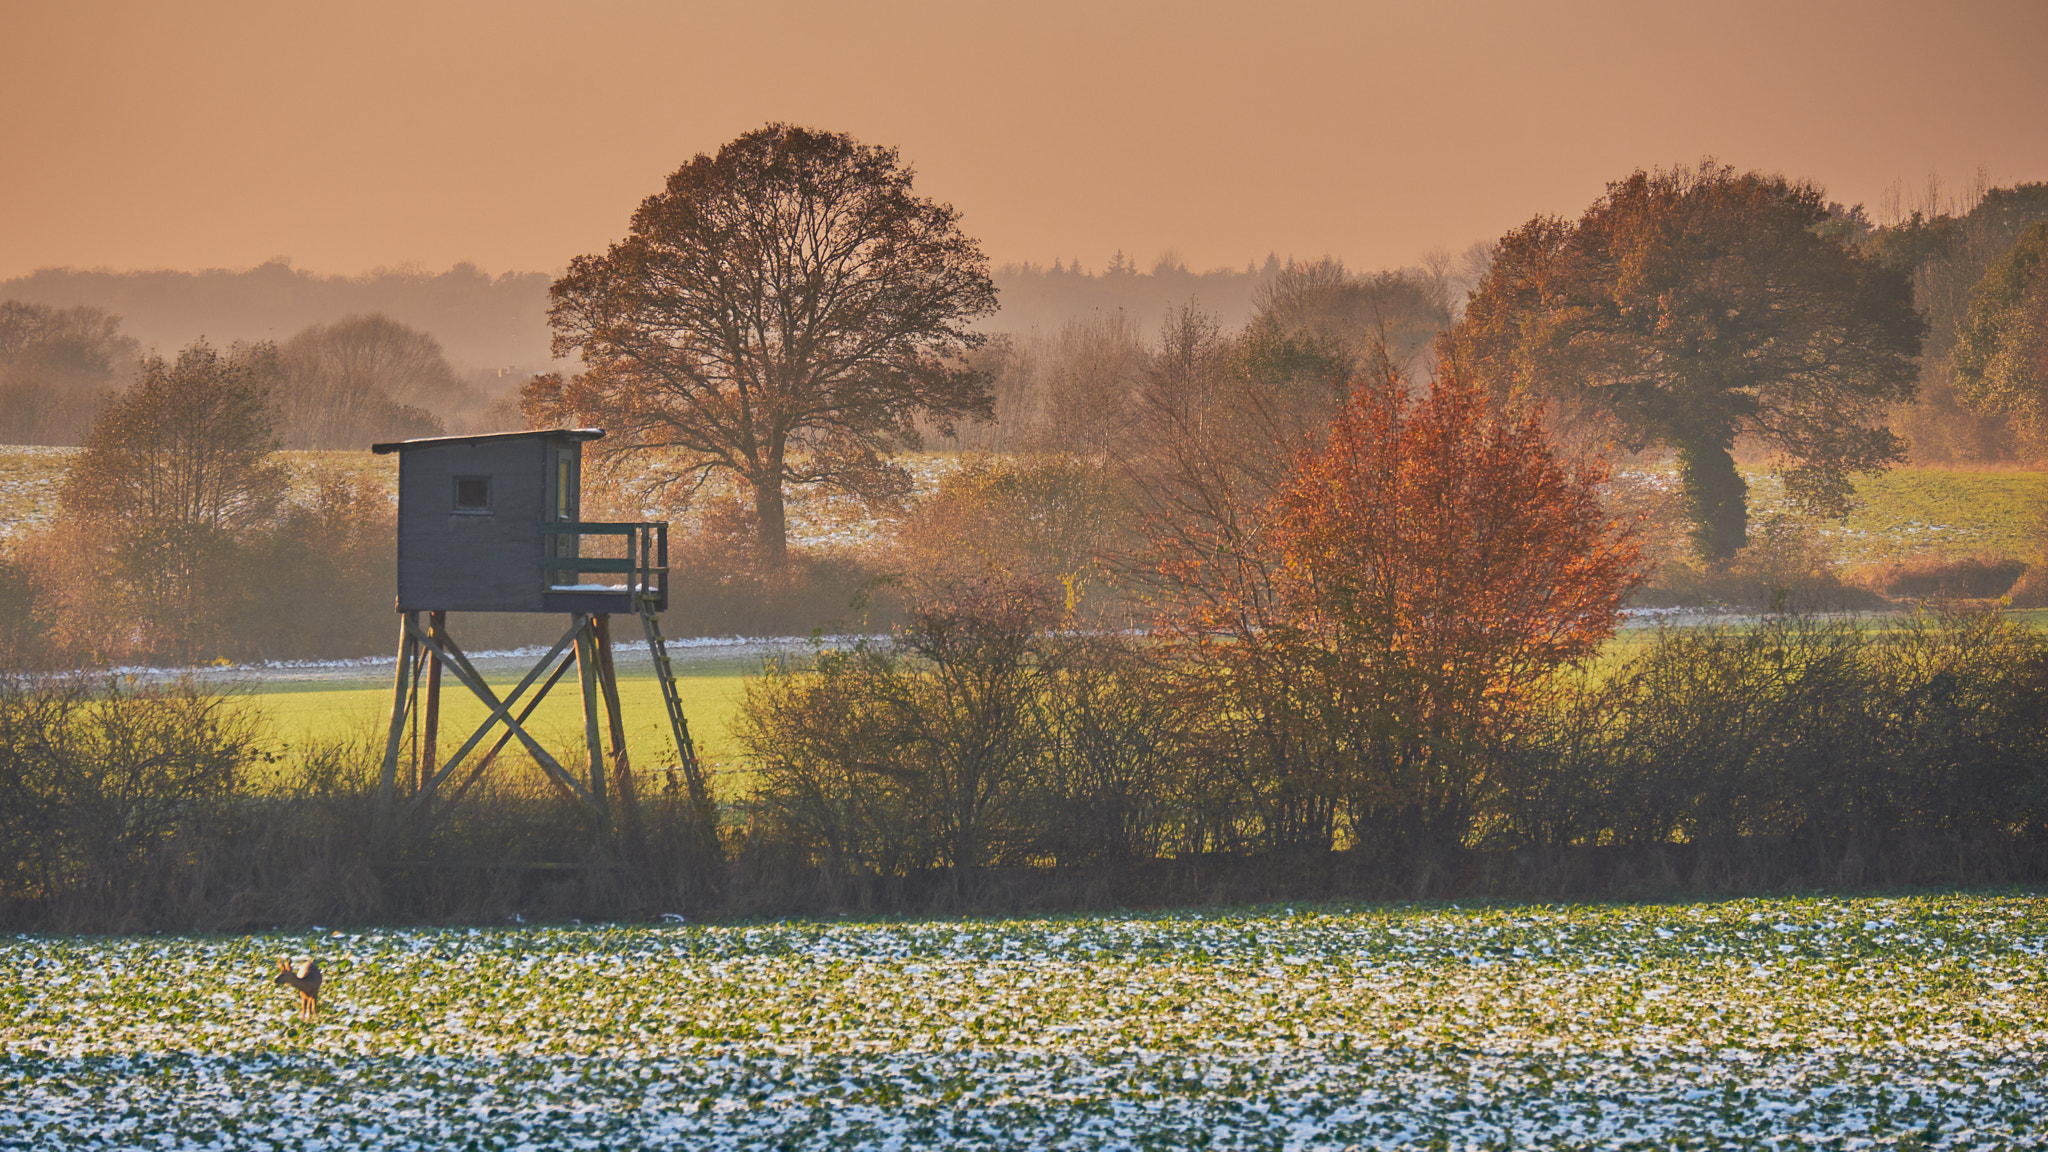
(1421, 565)
(57, 366)
(2001, 359)
(1692, 306)
(176, 469)
(365, 378)
(785, 312)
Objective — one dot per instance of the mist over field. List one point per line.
(495, 322)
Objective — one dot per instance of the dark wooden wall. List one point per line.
(464, 561)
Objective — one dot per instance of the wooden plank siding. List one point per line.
(454, 559)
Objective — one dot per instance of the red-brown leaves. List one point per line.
(1370, 625)
(1453, 543)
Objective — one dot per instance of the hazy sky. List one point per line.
(354, 135)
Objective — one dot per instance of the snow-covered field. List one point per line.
(1840, 1023)
(817, 518)
(29, 478)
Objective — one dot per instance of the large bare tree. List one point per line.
(365, 378)
(783, 312)
(57, 367)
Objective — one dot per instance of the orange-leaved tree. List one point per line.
(1423, 563)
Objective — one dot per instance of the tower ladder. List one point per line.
(686, 749)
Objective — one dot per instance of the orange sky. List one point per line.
(354, 135)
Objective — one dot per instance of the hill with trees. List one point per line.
(483, 321)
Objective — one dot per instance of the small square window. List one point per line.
(473, 494)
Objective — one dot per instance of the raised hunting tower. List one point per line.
(493, 523)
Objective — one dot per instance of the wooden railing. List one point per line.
(644, 567)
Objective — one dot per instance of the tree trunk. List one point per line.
(771, 522)
(1715, 498)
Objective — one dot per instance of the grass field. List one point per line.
(1921, 511)
(304, 714)
(1914, 1022)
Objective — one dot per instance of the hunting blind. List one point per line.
(493, 524)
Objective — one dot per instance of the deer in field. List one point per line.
(305, 976)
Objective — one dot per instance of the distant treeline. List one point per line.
(482, 321)
(1037, 297)
(331, 385)
(493, 330)
(485, 321)
(446, 346)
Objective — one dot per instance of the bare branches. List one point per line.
(787, 298)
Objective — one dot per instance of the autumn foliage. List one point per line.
(1421, 565)
(1453, 548)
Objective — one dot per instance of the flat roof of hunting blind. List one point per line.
(438, 441)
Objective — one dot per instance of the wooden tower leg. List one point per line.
(625, 801)
(387, 786)
(430, 739)
(586, 667)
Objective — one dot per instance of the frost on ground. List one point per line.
(818, 517)
(29, 480)
(1843, 1023)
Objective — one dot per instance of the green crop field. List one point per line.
(303, 714)
(1921, 511)
(306, 713)
(1917, 1022)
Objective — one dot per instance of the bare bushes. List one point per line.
(136, 809)
(1816, 752)
(917, 756)
(1790, 753)
(101, 785)
(1116, 785)
(982, 738)
(828, 795)
(1981, 577)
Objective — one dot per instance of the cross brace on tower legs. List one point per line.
(606, 784)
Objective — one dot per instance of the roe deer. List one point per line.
(306, 978)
